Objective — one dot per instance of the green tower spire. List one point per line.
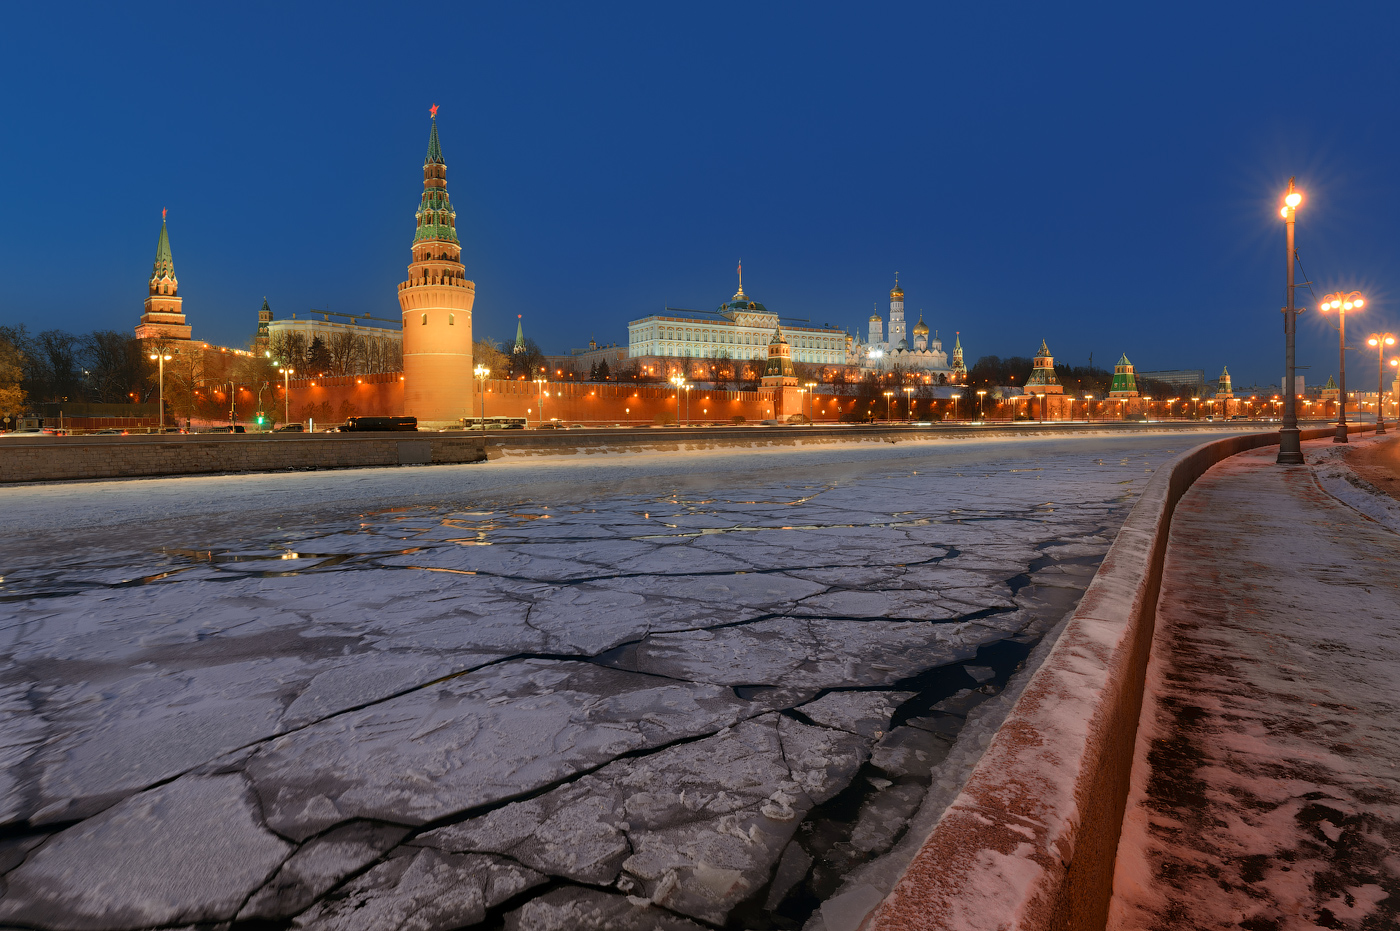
(519, 334)
(1124, 380)
(164, 266)
(434, 147)
(437, 221)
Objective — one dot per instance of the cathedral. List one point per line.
(918, 354)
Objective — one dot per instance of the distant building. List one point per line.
(1124, 381)
(361, 345)
(738, 330)
(778, 387)
(1043, 380)
(918, 354)
(164, 318)
(1190, 380)
(1328, 392)
(959, 369)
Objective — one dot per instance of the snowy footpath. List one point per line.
(651, 691)
(1266, 785)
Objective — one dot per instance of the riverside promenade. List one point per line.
(1265, 791)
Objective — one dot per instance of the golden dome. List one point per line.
(896, 293)
(921, 328)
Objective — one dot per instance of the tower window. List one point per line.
(425, 320)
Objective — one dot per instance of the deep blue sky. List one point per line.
(1106, 178)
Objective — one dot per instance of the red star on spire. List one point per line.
(433, 110)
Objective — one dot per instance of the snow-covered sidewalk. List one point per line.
(1266, 783)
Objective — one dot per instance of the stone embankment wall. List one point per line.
(1030, 841)
(56, 458)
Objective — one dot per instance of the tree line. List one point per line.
(104, 366)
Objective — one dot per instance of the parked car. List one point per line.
(231, 428)
(110, 432)
(289, 428)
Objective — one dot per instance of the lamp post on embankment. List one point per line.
(1380, 341)
(1290, 445)
(1341, 303)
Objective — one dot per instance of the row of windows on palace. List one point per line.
(660, 340)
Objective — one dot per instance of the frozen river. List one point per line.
(636, 691)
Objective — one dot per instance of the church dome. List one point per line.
(875, 318)
(896, 293)
(921, 328)
(902, 345)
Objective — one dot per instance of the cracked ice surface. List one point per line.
(646, 692)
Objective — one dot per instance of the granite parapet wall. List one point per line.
(59, 458)
(1030, 841)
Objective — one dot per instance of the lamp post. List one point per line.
(286, 393)
(678, 380)
(161, 358)
(1290, 446)
(687, 386)
(955, 396)
(888, 395)
(1380, 341)
(539, 386)
(1088, 408)
(1043, 404)
(482, 373)
(1341, 303)
(981, 407)
(811, 400)
(909, 404)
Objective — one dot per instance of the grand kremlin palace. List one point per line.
(740, 329)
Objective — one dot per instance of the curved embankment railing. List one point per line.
(1030, 841)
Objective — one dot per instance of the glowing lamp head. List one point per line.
(1293, 199)
(1359, 302)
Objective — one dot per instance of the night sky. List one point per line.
(1106, 179)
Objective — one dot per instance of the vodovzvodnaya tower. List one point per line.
(437, 308)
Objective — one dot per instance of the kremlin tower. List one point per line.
(779, 383)
(164, 318)
(1043, 380)
(1124, 380)
(959, 368)
(437, 307)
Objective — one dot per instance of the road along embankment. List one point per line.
(1030, 841)
(604, 441)
(56, 458)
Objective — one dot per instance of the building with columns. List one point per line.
(738, 331)
(436, 301)
(164, 318)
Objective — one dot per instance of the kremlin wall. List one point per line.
(437, 385)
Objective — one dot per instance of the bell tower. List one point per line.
(164, 317)
(436, 301)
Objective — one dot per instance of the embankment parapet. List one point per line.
(1030, 841)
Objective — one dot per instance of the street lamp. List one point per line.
(286, 392)
(981, 408)
(482, 373)
(1043, 402)
(161, 358)
(1341, 303)
(1290, 446)
(955, 395)
(1088, 408)
(539, 386)
(678, 380)
(811, 400)
(908, 404)
(1380, 341)
(888, 395)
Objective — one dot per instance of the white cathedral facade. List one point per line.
(918, 353)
